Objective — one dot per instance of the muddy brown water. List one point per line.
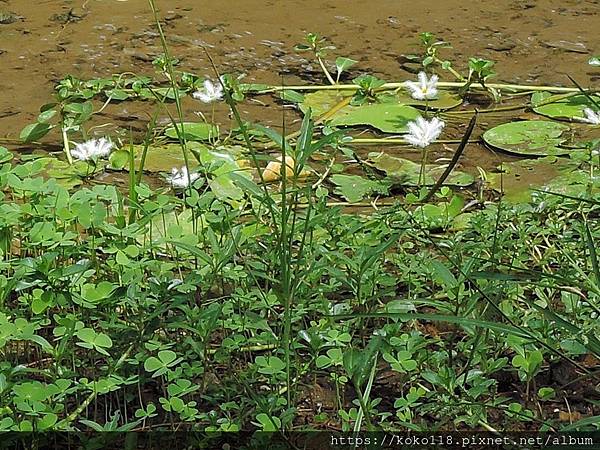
(532, 42)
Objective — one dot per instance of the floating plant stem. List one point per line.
(400, 141)
(447, 84)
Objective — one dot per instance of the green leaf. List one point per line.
(320, 102)
(103, 340)
(269, 365)
(45, 116)
(443, 275)
(119, 159)
(34, 132)
(152, 364)
(359, 363)
(528, 138)
(41, 302)
(194, 131)
(354, 187)
(167, 356)
(268, 423)
(386, 117)
(342, 64)
(463, 321)
(406, 173)
(323, 101)
(291, 96)
(444, 100)
(117, 94)
(47, 421)
(563, 108)
(87, 335)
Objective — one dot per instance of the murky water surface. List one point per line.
(532, 42)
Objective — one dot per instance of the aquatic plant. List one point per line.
(425, 88)
(225, 303)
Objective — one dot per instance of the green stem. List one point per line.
(171, 75)
(327, 74)
(71, 417)
(448, 84)
(381, 141)
(67, 145)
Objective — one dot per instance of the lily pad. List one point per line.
(563, 108)
(354, 187)
(517, 179)
(445, 100)
(159, 158)
(321, 102)
(194, 131)
(406, 173)
(386, 117)
(528, 138)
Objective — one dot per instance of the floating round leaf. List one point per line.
(159, 158)
(528, 138)
(562, 106)
(321, 102)
(444, 100)
(406, 173)
(194, 131)
(354, 187)
(386, 117)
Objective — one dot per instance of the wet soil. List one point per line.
(532, 42)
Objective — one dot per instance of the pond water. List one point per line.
(532, 42)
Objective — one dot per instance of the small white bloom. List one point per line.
(92, 149)
(173, 284)
(423, 132)
(211, 92)
(424, 89)
(180, 178)
(591, 116)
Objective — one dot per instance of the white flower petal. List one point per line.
(92, 149)
(422, 133)
(591, 116)
(180, 178)
(425, 88)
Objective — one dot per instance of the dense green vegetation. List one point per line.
(228, 296)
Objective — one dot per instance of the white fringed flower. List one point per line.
(180, 178)
(591, 116)
(423, 132)
(92, 149)
(424, 89)
(211, 92)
